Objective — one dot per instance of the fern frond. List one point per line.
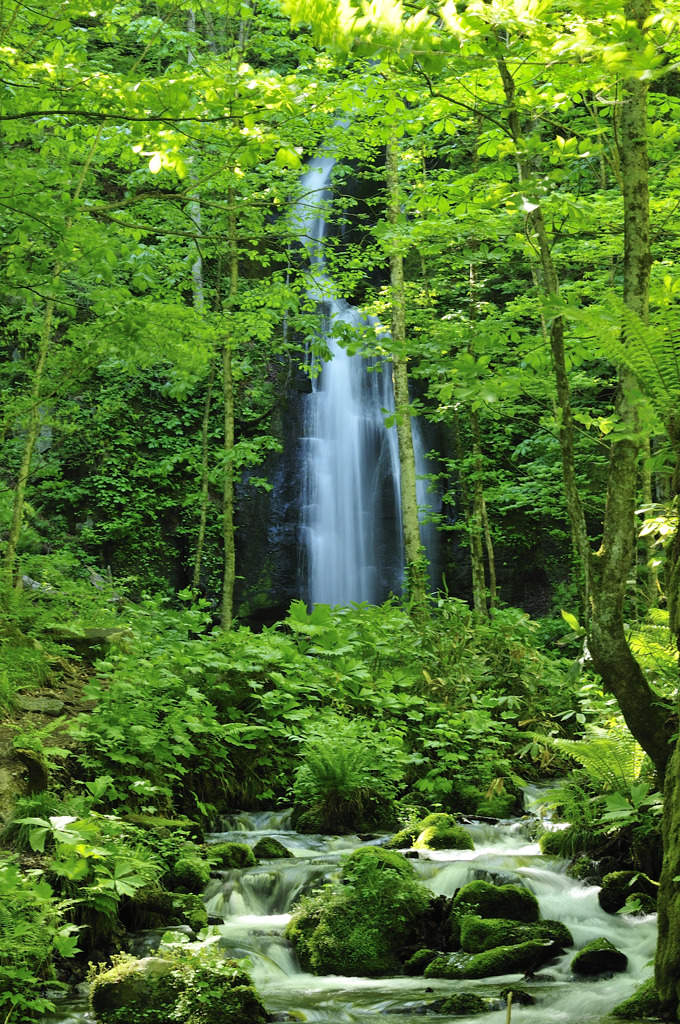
(612, 758)
(651, 353)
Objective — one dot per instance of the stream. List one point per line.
(255, 903)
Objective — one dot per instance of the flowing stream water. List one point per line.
(254, 905)
(350, 461)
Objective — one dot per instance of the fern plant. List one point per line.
(612, 758)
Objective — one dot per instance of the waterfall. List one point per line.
(351, 522)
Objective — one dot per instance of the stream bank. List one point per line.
(253, 905)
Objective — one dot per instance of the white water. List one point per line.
(350, 462)
(255, 904)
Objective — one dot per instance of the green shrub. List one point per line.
(348, 777)
(32, 933)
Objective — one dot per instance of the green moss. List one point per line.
(231, 855)
(190, 874)
(463, 1004)
(269, 848)
(166, 827)
(520, 959)
(419, 961)
(644, 1004)
(519, 996)
(403, 839)
(364, 923)
(599, 957)
(619, 886)
(193, 985)
(582, 868)
(479, 934)
(447, 837)
(491, 901)
(438, 820)
(378, 855)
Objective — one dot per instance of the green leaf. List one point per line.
(571, 620)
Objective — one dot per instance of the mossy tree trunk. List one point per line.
(414, 555)
(606, 570)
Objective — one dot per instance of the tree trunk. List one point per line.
(9, 560)
(606, 571)
(205, 453)
(416, 566)
(229, 575)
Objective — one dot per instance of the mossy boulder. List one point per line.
(461, 1004)
(144, 989)
(444, 837)
(226, 856)
(389, 860)
(483, 899)
(524, 958)
(365, 923)
(478, 934)
(644, 1004)
(519, 996)
(152, 906)
(620, 886)
(189, 874)
(196, 986)
(269, 848)
(417, 963)
(599, 957)
(403, 839)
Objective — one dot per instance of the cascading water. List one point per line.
(255, 902)
(254, 905)
(350, 462)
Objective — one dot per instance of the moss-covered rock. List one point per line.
(419, 961)
(166, 827)
(599, 957)
(620, 886)
(403, 839)
(152, 906)
(644, 1004)
(444, 837)
(198, 986)
(190, 874)
(231, 855)
(144, 989)
(366, 922)
(461, 1004)
(520, 959)
(483, 899)
(519, 996)
(478, 934)
(389, 860)
(269, 848)
(500, 805)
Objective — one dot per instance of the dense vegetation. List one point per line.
(505, 202)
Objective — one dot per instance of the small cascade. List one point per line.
(503, 853)
(352, 538)
(254, 905)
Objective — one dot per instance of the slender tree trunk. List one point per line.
(416, 569)
(205, 465)
(9, 560)
(229, 576)
(606, 571)
(474, 534)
